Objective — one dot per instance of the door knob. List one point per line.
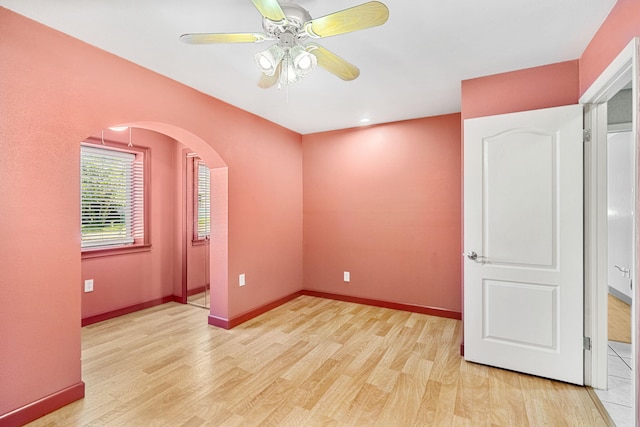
(472, 255)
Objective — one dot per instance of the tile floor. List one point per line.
(617, 399)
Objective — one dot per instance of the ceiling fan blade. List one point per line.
(366, 15)
(270, 9)
(333, 63)
(209, 38)
(266, 82)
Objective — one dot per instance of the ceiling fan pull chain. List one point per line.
(286, 80)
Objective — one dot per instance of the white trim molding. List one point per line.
(622, 70)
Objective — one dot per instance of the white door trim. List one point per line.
(623, 68)
(613, 78)
(595, 245)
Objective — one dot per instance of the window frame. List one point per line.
(140, 244)
(196, 238)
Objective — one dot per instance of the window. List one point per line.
(202, 208)
(112, 197)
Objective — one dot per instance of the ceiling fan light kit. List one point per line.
(290, 59)
(269, 59)
(303, 61)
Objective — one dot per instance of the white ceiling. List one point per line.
(410, 67)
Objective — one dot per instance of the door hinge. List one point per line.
(586, 343)
(586, 135)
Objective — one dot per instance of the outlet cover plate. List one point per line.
(88, 285)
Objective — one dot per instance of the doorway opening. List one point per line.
(611, 235)
(197, 236)
(620, 219)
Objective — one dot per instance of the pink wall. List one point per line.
(383, 202)
(219, 244)
(51, 100)
(39, 252)
(622, 25)
(265, 228)
(129, 279)
(531, 89)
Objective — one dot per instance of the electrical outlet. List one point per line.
(88, 285)
(241, 280)
(347, 276)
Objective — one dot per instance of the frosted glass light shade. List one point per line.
(303, 62)
(269, 59)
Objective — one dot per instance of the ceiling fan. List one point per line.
(292, 58)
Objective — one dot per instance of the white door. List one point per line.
(523, 269)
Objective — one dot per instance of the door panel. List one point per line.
(523, 287)
(537, 316)
(529, 161)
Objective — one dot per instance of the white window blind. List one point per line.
(112, 197)
(204, 201)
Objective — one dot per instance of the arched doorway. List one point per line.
(157, 273)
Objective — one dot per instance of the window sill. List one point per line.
(120, 250)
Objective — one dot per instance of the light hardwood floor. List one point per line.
(619, 322)
(309, 362)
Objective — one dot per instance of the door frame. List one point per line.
(189, 206)
(621, 70)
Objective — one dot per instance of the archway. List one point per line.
(168, 188)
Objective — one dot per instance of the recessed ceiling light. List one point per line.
(118, 128)
(365, 120)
